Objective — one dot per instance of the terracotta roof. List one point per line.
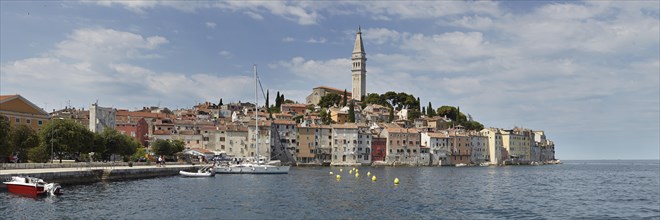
(3, 97)
(284, 122)
(345, 126)
(335, 89)
(437, 135)
(402, 130)
(294, 105)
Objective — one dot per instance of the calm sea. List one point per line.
(575, 189)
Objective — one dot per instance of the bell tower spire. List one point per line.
(359, 68)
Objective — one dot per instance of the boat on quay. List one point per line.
(260, 165)
(32, 186)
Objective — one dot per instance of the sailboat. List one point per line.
(260, 165)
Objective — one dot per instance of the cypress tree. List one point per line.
(424, 112)
(391, 118)
(220, 104)
(345, 98)
(277, 100)
(267, 106)
(351, 112)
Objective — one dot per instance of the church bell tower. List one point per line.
(359, 69)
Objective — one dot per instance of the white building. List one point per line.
(101, 118)
(438, 143)
(344, 144)
(494, 145)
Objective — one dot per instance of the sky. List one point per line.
(586, 73)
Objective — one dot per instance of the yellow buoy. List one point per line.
(340, 170)
(357, 174)
(396, 180)
(368, 173)
(350, 171)
(373, 178)
(338, 176)
(356, 170)
(331, 173)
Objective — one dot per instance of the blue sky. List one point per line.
(587, 73)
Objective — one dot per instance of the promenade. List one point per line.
(84, 173)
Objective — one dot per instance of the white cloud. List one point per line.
(106, 45)
(317, 41)
(329, 72)
(92, 64)
(225, 53)
(380, 35)
(288, 39)
(210, 24)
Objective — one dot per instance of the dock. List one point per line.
(86, 175)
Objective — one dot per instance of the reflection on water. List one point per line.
(576, 189)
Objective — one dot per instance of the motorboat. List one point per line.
(461, 165)
(203, 172)
(32, 186)
(484, 164)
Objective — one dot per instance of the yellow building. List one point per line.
(21, 111)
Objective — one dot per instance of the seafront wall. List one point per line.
(85, 175)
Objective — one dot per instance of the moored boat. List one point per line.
(32, 186)
(203, 172)
(461, 165)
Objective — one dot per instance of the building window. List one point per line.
(28, 121)
(40, 122)
(18, 120)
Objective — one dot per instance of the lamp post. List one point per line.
(52, 151)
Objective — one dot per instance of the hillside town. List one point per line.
(350, 133)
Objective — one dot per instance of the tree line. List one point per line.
(66, 139)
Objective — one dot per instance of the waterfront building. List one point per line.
(494, 145)
(284, 144)
(364, 145)
(19, 110)
(402, 146)
(306, 145)
(323, 143)
(479, 149)
(359, 68)
(459, 147)
(378, 148)
(344, 144)
(263, 138)
(236, 141)
(136, 128)
(438, 123)
(517, 143)
(438, 144)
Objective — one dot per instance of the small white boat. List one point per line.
(484, 164)
(461, 165)
(203, 172)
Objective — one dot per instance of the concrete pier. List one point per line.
(84, 175)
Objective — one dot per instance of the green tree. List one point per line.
(473, 125)
(351, 112)
(424, 111)
(278, 102)
(374, 98)
(139, 153)
(345, 98)
(429, 110)
(23, 138)
(161, 147)
(413, 114)
(330, 99)
(5, 130)
(39, 154)
(325, 117)
(177, 146)
(220, 103)
(65, 137)
(267, 100)
(391, 116)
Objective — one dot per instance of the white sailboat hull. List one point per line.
(252, 169)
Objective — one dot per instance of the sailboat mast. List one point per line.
(256, 111)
